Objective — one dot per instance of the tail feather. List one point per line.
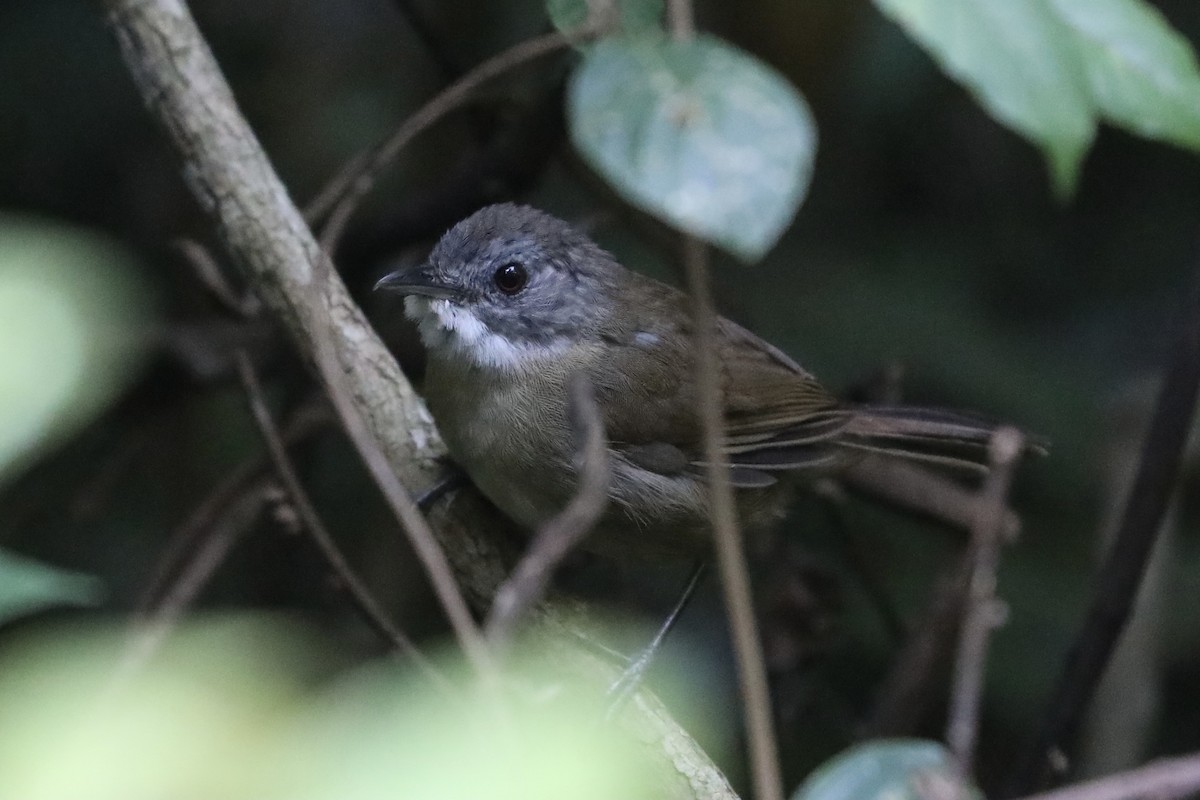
(929, 435)
(947, 439)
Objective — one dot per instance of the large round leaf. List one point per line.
(888, 769)
(697, 133)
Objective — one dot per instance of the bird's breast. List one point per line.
(508, 430)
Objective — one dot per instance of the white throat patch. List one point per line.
(447, 327)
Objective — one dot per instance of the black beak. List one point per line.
(418, 279)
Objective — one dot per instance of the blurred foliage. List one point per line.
(248, 708)
(1052, 69)
(27, 587)
(928, 240)
(887, 770)
(72, 313)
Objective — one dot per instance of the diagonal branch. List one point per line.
(561, 534)
(363, 600)
(339, 199)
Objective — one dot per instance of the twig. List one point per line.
(559, 536)
(981, 614)
(731, 561)
(833, 498)
(919, 672)
(342, 194)
(681, 20)
(151, 629)
(361, 596)
(631, 679)
(242, 479)
(919, 491)
(209, 273)
(515, 155)
(1165, 779)
(1125, 564)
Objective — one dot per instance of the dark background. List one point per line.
(929, 240)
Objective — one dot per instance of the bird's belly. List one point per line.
(507, 435)
(514, 441)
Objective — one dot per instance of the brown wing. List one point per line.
(778, 417)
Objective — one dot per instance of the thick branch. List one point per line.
(257, 222)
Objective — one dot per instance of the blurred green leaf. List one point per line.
(375, 737)
(71, 319)
(1142, 74)
(899, 769)
(697, 133)
(231, 709)
(636, 16)
(1052, 69)
(197, 721)
(27, 586)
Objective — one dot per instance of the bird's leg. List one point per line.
(453, 478)
(624, 687)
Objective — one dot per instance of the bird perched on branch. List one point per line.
(513, 304)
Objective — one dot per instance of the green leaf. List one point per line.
(1016, 59)
(1053, 69)
(635, 16)
(250, 707)
(71, 318)
(1141, 73)
(27, 586)
(899, 769)
(697, 133)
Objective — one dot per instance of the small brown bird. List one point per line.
(513, 302)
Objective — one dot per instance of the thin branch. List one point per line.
(561, 534)
(982, 611)
(1125, 565)
(920, 672)
(341, 196)
(681, 20)
(242, 479)
(731, 561)
(209, 273)
(631, 679)
(515, 154)
(833, 499)
(920, 491)
(1166, 779)
(360, 595)
(221, 533)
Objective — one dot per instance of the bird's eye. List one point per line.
(511, 278)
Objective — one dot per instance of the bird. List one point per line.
(513, 304)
